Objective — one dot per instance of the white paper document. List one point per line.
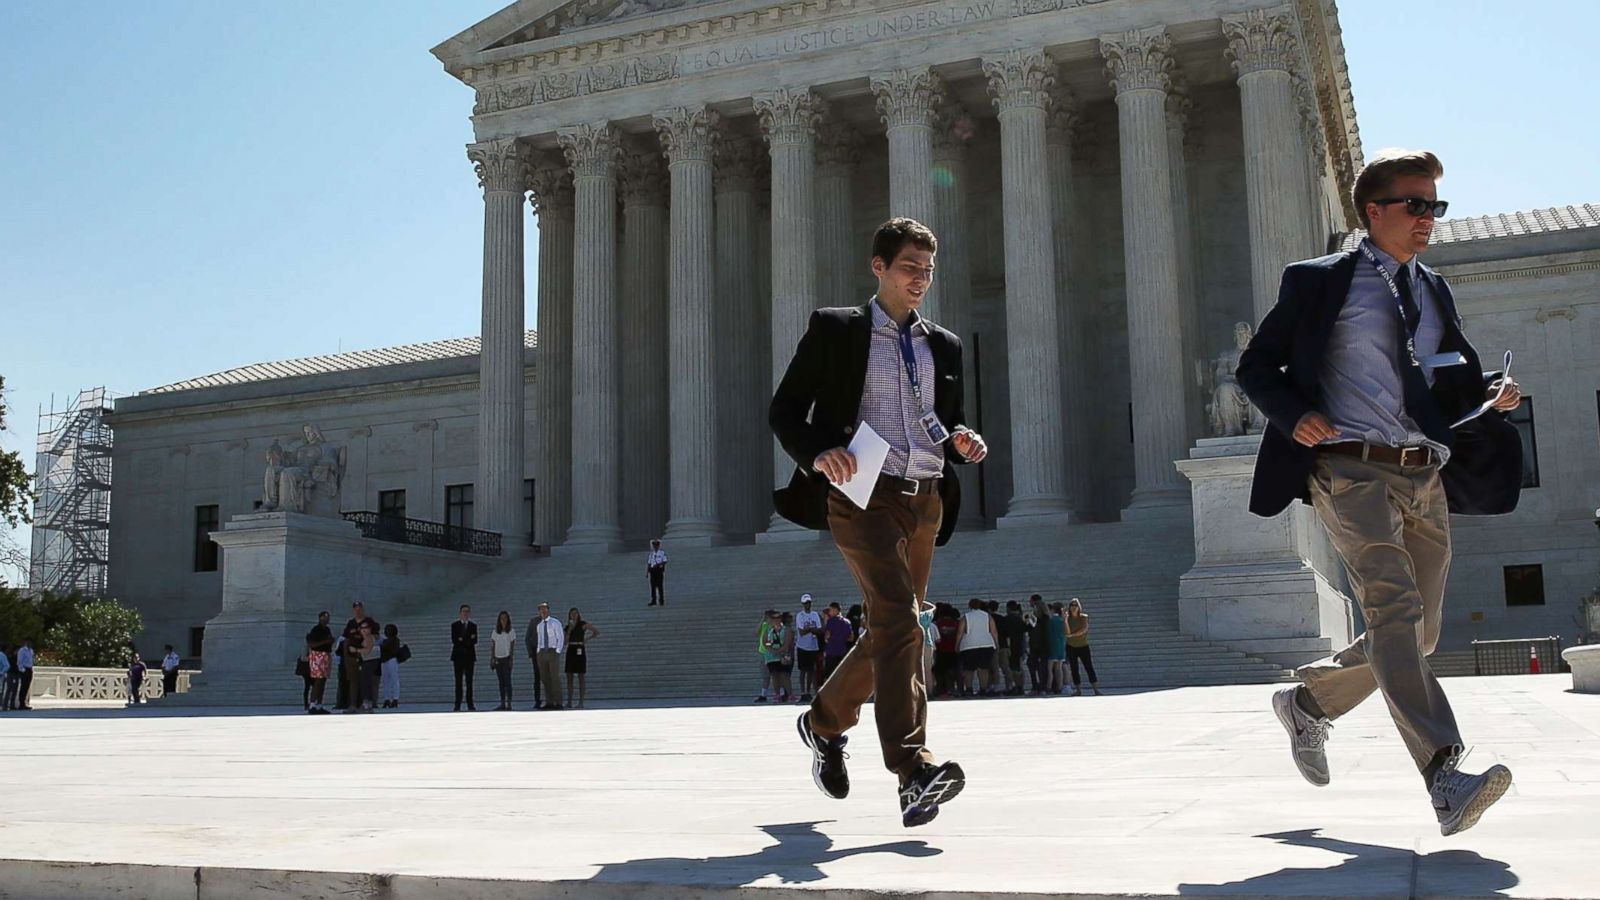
(1505, 376)
(870, 451)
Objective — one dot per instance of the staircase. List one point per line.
(702, 644)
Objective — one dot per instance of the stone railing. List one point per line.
(71, 683)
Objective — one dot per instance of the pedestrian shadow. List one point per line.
(797, 858)
(1371, 870)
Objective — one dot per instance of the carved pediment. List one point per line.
(531, 20)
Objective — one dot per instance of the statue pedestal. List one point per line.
(1272, 588)
(279, 569)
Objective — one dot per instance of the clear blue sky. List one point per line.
(191, 186)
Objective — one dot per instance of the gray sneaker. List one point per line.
(1459, 799)
(1306, 736)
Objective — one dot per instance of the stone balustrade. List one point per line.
(78, 683)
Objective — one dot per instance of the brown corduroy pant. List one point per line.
(889, 549)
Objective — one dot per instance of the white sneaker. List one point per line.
(1459, 799)
(1306, 736)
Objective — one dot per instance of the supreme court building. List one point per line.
(1115, 185)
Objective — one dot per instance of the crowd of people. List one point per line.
(365, 658)
(985, 651)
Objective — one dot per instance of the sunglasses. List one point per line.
(1417, 206)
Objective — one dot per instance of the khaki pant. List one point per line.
(549, 662)
(889, 549)
(1392, 528)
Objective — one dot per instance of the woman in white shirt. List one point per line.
(501, 644)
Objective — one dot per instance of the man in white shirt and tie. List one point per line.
(169, 671)
(25, 666)
(551, 640)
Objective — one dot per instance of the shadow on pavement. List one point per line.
(797, 857)
(1371, 870)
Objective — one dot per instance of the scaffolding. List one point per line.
(72, 516)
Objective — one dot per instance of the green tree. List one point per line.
(16, 491)
(20, 618)
(98, 636)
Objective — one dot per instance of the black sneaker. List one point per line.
(827, 760)
(928, 787)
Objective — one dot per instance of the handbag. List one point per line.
(404, 653)
(302, 668)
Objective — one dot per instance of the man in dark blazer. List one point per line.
(1362, 368)
(884, 365)
(464, 654)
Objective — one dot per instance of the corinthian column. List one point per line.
(687, 134)
(642, 327)
(1060, 125)
(1019, 81)
(1262, 46)
(841, 263)
(502, 168)
(789, 118)
(592, 150)
(950, 137)
(908, 101)
(740, 374)
(1178, 107)
(1138, 64)
(552, 202)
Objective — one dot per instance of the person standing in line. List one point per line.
(136, 670)
(25, 674)
(1057, 626)
(530, 643)
(1361, 367)
(8, 686)
(1038, 621)
(1013, 644)
(350, 649)
(169, 671)
(836, 641)
(552, 644)
(371, 666)
(464, 654)
(766, 649)
(946, 655)
(502, 650)
(655, 570)
(579, 634)
(976, 639)
(389, 667)
(807, 649)
(884, 366)
(342, 685)
(319, 649)
(1078, 647)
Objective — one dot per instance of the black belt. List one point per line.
(1394, 456)
(910, 487)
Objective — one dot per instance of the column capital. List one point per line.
(907, 96)
(501, 165)
(1061, 121)
(1261, 40)
(552, 189)
(1020, 78)
(592, 148)
(788, 115)
(837, 145)
(953, 132)
(641, 178)
(1138, 60)
(739, 161)
(688, 133)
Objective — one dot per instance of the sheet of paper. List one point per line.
(870, 451)
(1505, 374)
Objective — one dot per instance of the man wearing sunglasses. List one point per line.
(1361, 367)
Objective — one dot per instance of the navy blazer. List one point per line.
(1280, 372)
(825, 380)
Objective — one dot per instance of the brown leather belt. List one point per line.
(908, 486)
(1394, 456)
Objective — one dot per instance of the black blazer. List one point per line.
(1280, 372)
(463, 641)
(825, 380)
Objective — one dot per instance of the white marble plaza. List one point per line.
(1188, 791)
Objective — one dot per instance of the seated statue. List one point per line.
(307, 477)
(1230, 411)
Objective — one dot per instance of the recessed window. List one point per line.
(1524, 585)
(392, 504)
(197, 641)
(529, 495)
(458, 505)
(205, 551)
(1522, 417)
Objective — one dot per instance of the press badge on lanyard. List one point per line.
(908, 357)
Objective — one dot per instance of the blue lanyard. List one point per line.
(1399, 305)
(908, 357)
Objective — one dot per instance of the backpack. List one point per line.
(404, 653)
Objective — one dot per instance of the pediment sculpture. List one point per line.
(305, 477)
